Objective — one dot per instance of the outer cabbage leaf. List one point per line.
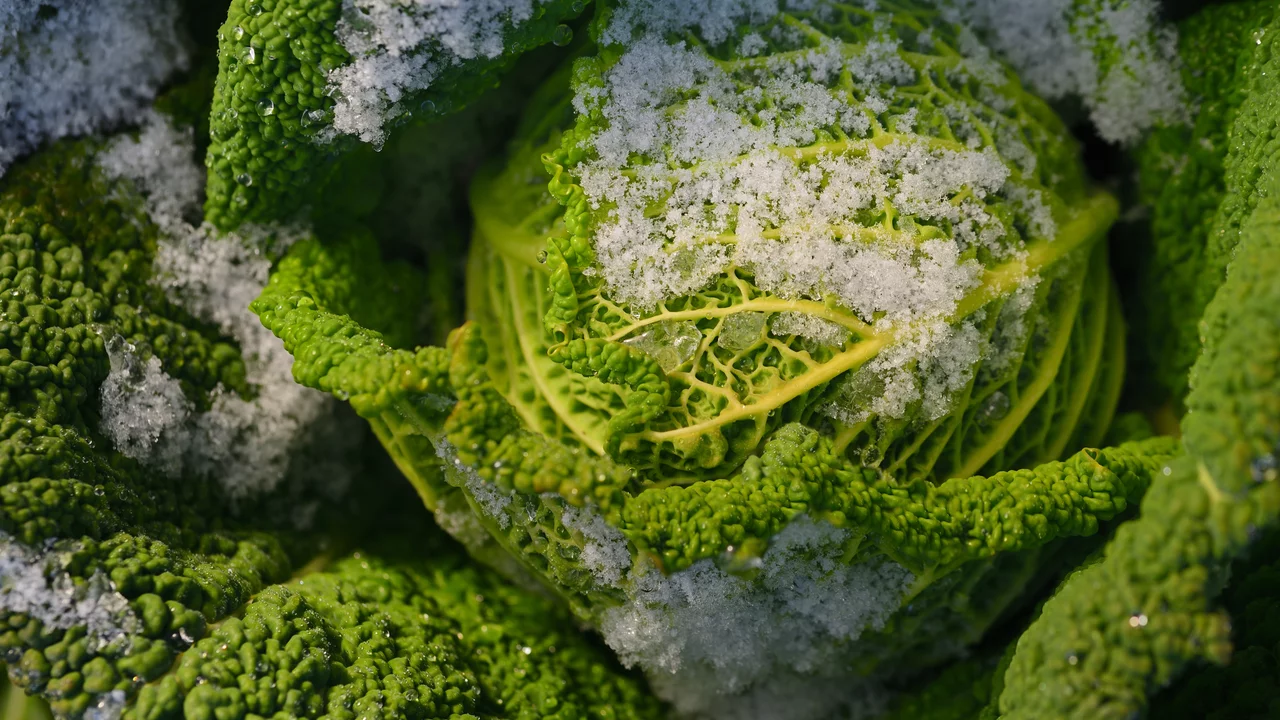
(1247, 686)
(279, 71)
(111, 568)
(1146, 610)
(404, 626)
(1183, 178)
(539, 478)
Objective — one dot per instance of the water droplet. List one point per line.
(249, 55)
(542, 256)
(237, 33)
(562, 36)
(741, 331)
(671, 343)
(244, 179)
(872, 455)
(254, 9)
(426, 106)
(313, 117)
(578, 6)
(995, 407)
(266, 107)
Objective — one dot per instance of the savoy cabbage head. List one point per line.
(762, 306)
(791, 336)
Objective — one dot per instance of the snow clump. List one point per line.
(804, 602)
(246, 444)
(35, 582)
(817, 190)
(1118, 56)
(401, 47)
(72, 68)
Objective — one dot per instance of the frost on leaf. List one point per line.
(803, 169)
(75, 67)
(250, 445)
(109, 706)
(740, 331)
(400, 48)
(1116, 55)
(604, 552)
(715, 21)
(809, 327)
(493, 500)
(803, 602)
(35, 582)
(141, 405)
(925, 368)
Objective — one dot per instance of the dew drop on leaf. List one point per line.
(671, 343)
(872, 455)
(741, 330)
(995, 407)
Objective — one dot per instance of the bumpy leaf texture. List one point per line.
(1146, 609)
(1184, 181)
(874, 481)
(178, 532)
(300, 84)
(1141, 627)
